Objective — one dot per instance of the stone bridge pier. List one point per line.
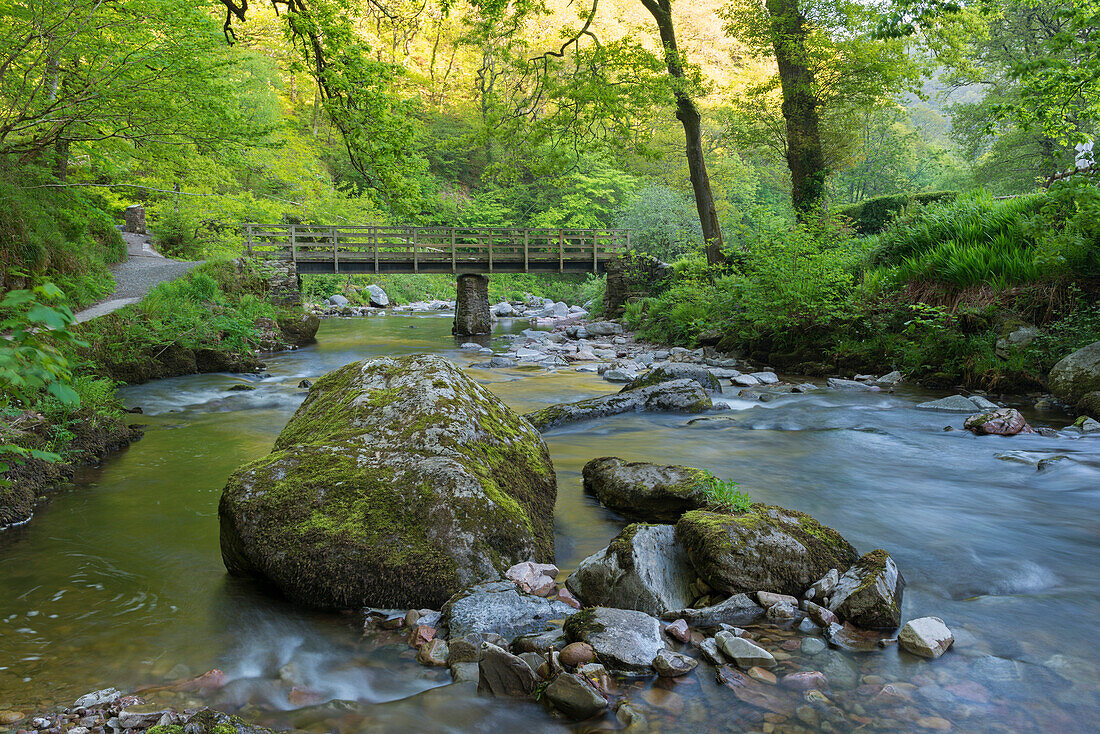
(472, 306)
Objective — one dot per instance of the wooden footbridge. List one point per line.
(377, 249)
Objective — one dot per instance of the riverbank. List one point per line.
(217, 318)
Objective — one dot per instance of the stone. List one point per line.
(709, 648)
(823, 616)
(669, 664)
(643, 491)
(470, 347)
(465, 672)
(566, 597)
(620, 375)
(677, 396)
(1086, 426)
(890, 378)
(838, 384)
(10, 717)
(679, 371)
(433, 653)
(855, 639)
(502, 309)
(1077, 374)
(534, 578)
(98, 698)
(763, 675)
(543, 643)
(678, 631)
(812, 646)
(625, 641)
(744, 380)
(743, 652)
(954, 403)
(768, 599)
(377, 296)
(501, 608)
(823, 587)
(928, 637)
(869, 593)
(575, 697)
(643, 569)
(765, 548)
(499, 362)
(765, 378)
(783, 611)
(500, 673)
(604, 328)
(420, 634)
(398, 482)
(337, 300)
(805, 680)
(1089, 405)
(1000, 422)
(472, 306)
(577, 653)
(737, 609)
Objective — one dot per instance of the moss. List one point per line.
(622, 547)
(172, 729)
(582, 625)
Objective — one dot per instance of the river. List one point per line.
(118, 581)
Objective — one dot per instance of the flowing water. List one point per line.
(119, 581)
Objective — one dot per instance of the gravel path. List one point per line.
(136, 276)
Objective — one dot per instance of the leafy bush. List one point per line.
(1067, 226)
(663, 223)
(873, 215)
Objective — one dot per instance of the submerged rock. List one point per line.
(676, 396)
(501, 608)
(959, 404)
(1076, 375)
(766, 548)
(643, 491)
(395, 484)
(869, 593)
(625, 641)
(745, 653)
(643, 569)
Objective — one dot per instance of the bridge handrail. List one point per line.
(434, 244)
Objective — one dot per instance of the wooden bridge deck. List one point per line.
(370, 249)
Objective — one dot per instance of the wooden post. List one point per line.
(561, 250)
(595, 248)
(490, 250)
(335, 257)
(294, 243)
(526, 235)
(373, 236)
(454, 262)
(248, 239)
(627, 242)
(416, 263)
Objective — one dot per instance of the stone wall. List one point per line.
(632, 276)
(135, 219)
(283, 288)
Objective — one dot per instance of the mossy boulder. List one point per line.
(1089, 405)
(1077, 374)
(766, 548)
(869, 593)
(677, 371)
(398, 482)
(643, 491)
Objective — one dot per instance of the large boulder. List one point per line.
(676, 396)
(643, 491)
(678, 371)
(377, 296)
(643, 569)
(395, 484)
(869, 593)
(501, 608)
(1000, 422)
(1076, 375)
(625, 641)
(766, 548)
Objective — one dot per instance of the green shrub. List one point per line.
(1067, 226)
(873, 215)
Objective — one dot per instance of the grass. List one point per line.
(725, 494)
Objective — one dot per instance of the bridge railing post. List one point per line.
(294, 242)
(454, 260)
(248, 240)
(372, 237)
(561, 250)
(526, 236)
(416, 262)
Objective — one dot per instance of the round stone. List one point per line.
(577, 653)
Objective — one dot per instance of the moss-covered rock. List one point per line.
(869, 593)
(677, 371)
(1077, 374)
(767, 548)
(395, 484)
(1090, 405)
(643, 491)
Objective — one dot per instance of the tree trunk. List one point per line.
(688, 114)
(805, 157)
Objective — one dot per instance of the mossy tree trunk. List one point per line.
(805, 157)
(688, 114)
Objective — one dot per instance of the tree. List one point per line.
(827, 56)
